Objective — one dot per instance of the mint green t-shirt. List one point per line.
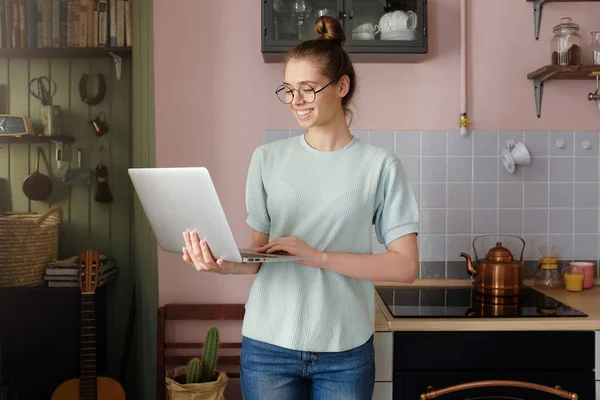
(331, 201)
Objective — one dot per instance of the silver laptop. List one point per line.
(181, 198)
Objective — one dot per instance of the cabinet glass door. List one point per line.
(385, 23)
(288, 22)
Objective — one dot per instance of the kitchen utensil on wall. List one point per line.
(498, 274)
(103, 193)
(83, 90)
(78, 176)
(37, 186)
(514, 154)
(43, 89)
(99, 124)
(51, 120)
(547, 275)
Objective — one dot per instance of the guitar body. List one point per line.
(108, 389)
(88, 386)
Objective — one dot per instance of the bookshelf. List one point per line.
(65, 52)
(65, 28)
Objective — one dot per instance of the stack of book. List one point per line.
(64, 273)
(65, 23)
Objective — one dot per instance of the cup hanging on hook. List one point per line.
(99, 124)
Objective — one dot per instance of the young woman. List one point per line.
(308, 328)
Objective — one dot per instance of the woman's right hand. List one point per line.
(197, 254)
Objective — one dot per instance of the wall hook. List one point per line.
(118, 63)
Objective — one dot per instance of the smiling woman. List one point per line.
(308, 326)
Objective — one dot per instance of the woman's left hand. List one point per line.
(295, 247)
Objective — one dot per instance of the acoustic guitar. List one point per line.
(89, 386)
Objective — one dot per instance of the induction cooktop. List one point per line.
(461, 302)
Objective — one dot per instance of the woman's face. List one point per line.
(312, 108)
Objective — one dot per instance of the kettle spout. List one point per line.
(470, 268)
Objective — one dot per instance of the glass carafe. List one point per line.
(566, 43)
(593, 53)
(547, 274)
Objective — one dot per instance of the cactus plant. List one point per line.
(193, 370)
(210, 355)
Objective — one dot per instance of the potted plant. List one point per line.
(199, 379)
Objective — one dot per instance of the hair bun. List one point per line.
(329, 28)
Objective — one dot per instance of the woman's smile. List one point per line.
(304, 114)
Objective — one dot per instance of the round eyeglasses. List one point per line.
(307, 93)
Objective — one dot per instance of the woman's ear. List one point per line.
(344, 85)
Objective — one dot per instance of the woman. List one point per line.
(308, 328)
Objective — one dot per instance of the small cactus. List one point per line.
(209, 358)
(193, 370)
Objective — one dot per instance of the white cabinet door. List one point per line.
(383, 391)
(384, 356)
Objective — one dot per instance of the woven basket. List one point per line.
(28, 242)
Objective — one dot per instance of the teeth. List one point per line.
(304, 112)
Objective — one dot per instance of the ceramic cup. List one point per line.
(400, 21)
(367, 28)
(362, 36)
(587, 269)
(520, 155)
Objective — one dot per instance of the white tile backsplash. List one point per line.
(463, 189)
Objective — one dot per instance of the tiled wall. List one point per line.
(464, 191)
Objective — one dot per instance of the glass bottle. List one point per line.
(566, 43)
(594, 49)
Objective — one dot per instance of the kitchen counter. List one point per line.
(587, 301)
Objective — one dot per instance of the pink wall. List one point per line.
(215, 98)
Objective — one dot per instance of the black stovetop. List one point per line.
(461, 302)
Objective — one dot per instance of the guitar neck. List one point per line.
(87, 382)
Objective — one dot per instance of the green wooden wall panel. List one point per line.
(87, 223)
(18, 74)
(144, 155)
(5, 197)
(60, 73)
(80, 196)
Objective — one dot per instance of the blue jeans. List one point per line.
(271, 372)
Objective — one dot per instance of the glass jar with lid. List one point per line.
(566, 43)
(593, 53)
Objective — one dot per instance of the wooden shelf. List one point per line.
(538, 5)
(65, 52)
(37, 139)
(540, 75)
(556, 72)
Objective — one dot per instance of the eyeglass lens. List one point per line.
(286, 94)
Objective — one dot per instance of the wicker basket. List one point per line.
(28, 242)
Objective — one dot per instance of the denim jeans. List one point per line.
(271, 372)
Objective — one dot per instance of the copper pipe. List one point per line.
(558, 391)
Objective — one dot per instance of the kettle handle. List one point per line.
(480, 236)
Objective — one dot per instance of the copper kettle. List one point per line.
(498, 274)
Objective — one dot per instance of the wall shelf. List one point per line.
(538, 5)
(540, 75)
(36, 139)
(65, 52)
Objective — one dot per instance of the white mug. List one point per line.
(367, 28)
(398, 21)
(363, 36)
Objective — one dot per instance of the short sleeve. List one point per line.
(256, 196)
(396, 210)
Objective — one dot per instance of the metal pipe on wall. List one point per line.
(463, 121)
